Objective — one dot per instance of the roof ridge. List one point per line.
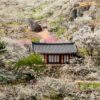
(58, 43)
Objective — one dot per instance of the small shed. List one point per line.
(55, 53)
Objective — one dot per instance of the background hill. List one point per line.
(57, 15)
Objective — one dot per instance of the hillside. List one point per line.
(24, 76)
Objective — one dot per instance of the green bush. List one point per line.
(33, 59)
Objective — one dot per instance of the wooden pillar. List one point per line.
(45, 59)
(59, 59)
(69, 58)
(62, 59)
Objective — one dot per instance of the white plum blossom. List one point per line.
(88, 39)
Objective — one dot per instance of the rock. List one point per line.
(73, 14)
(35, 27)
(78, 11)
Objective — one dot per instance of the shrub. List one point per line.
(82, 52)
(34, 61)
(35, 39)
(60, 31)
(2, 45)
(97, 60)
(91, 86)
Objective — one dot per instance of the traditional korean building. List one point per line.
(55, 53)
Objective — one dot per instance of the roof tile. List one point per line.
(54, 48)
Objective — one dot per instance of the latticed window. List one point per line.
(65, 59)
(54, 59)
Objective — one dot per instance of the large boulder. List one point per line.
(78, 11)
(35, 27)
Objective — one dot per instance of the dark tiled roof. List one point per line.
(54, 48)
